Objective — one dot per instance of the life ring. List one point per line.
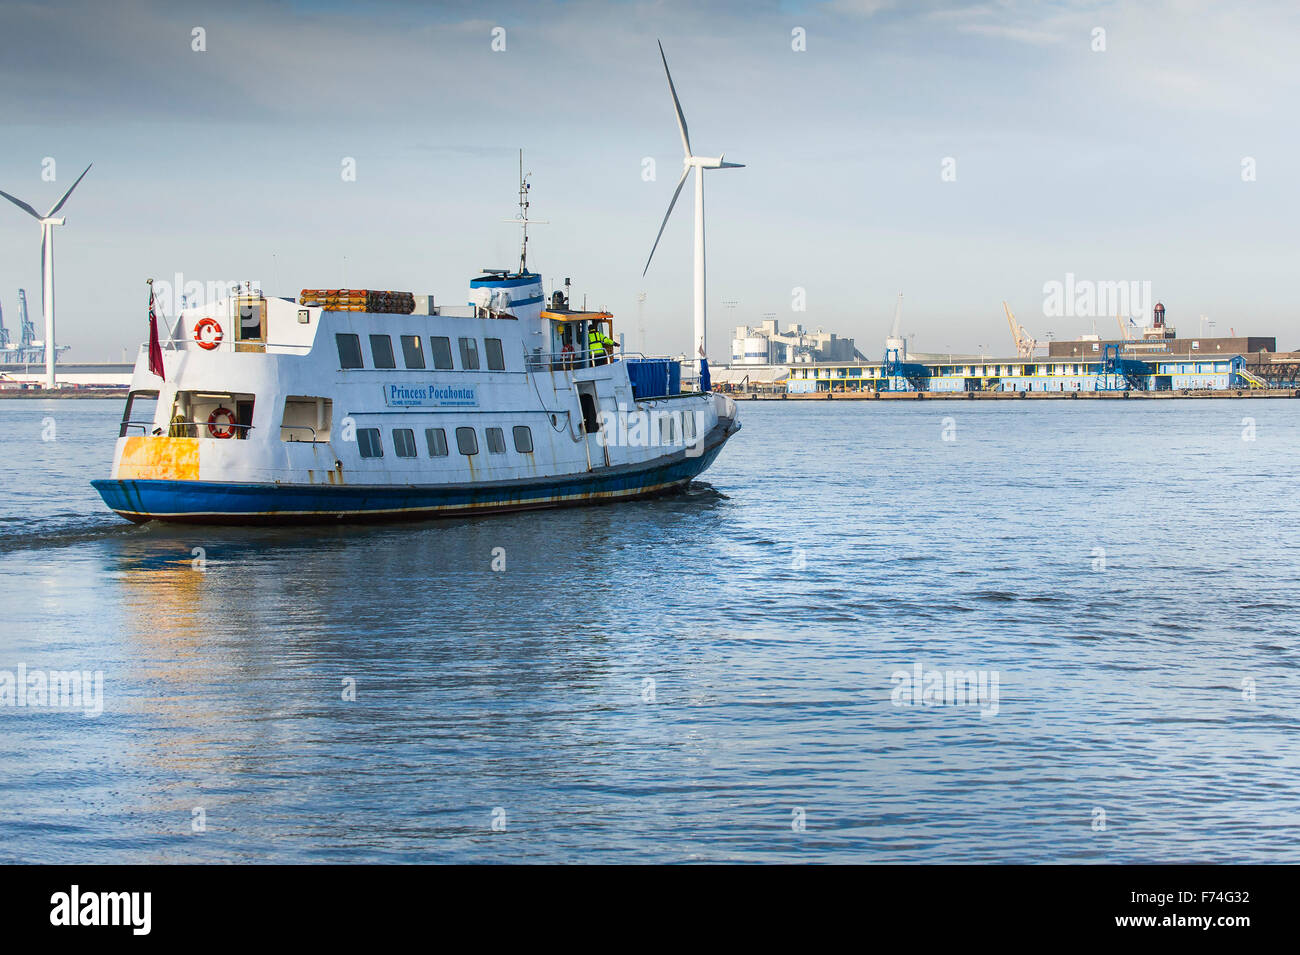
(217, 334)
(222, 431)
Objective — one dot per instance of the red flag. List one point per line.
(155, 350)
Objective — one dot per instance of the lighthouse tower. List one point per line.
(1158, 329)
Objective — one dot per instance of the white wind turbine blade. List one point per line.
(69, 192)
(677, 105)
(680, 182)
(21, 205)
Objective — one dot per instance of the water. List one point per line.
(831, 546)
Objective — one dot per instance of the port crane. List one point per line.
(27, 350)
(1025, 345)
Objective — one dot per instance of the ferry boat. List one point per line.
(361, 405)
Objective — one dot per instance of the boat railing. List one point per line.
(183, 429)
(568, 360)
(251, 347)
(144, 427)
(315, 437)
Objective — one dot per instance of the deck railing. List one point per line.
(314, 439)
(181, 429)
(568, 360)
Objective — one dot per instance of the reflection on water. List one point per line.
(682, 678)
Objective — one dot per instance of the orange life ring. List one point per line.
(222, 431)
(217, 334)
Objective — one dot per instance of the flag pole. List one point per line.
(171, 329)
(156, 365)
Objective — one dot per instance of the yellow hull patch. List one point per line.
(159, 458)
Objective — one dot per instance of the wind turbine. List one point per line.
(699, 164)
(48, 222)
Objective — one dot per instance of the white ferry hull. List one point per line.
(229, 502)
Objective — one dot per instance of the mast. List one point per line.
(522, 219)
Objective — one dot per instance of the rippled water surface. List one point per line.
(687, 678)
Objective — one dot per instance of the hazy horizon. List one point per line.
(1116, 165)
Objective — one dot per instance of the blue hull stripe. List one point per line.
(531, 278)
(232, 502)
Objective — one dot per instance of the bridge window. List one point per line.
(252, 323)
(381, 350)
(440, 347)
(466, 441)
(413, 351)
(369, 442)
(496, 360)
(349, 351)
(523, 439)
(469, 354)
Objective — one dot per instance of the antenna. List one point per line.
(522, 219)
(640, 318)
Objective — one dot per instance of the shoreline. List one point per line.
(64, 393)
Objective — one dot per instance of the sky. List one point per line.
(961, 153)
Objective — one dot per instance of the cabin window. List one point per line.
(469, 354)
(371, 445)
(349, 351)
(466, 441)
(381, 350)
(523, 439)
(440, 347)
(437, 441)
(306, 418)
(496, 359)
(496, 440)
(404, 442)
(413, 351)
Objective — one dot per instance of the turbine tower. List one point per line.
(896, 341)
(699, 164)
(48, 222)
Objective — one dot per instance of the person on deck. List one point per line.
(601, 345)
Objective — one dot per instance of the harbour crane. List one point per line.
(1024, 344)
